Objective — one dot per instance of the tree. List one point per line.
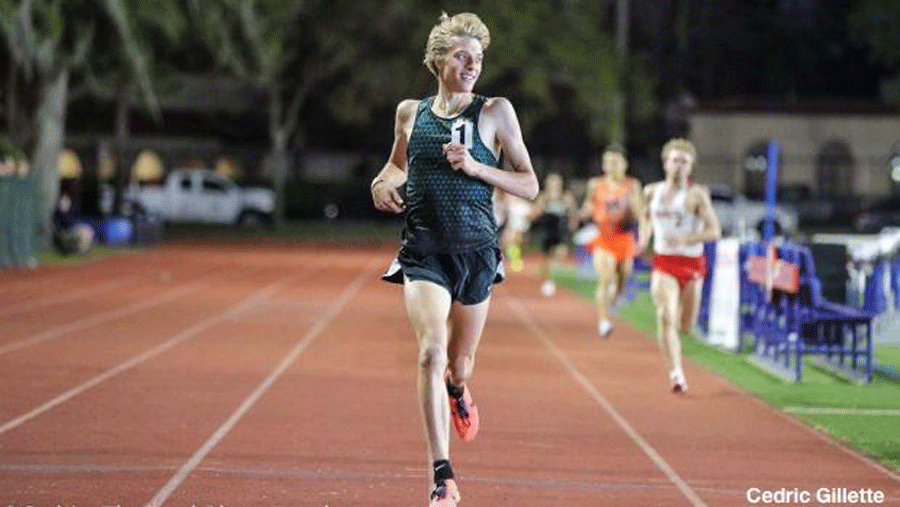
(877, 22)
(359, 57)
(293, 49)
(553, 58)
(50, 40)
(122, 64)
(46, 45)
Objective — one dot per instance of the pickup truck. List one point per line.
(740, 215)
(200, 195)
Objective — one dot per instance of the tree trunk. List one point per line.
(122, 168)
(51, 122)
(278, 165)
(12, 97)
(619, 129)
(277, 158)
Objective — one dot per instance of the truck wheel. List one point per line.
(251, 219)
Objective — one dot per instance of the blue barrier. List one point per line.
(874, 284)
(637, 282)
(709, 252)
(895, 282)
(117, 230)
(583, 259)
(873, 295)
(789, 327)
(882, 288)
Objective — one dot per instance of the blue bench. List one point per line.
(788, 327)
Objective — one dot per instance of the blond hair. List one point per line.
(679, 144)
(464, 24)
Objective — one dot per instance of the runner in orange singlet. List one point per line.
(614, 202)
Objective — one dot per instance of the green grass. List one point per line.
(339, 232)
(888, 355)
(876, 436)
(53, 258)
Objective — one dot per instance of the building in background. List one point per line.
(832, 154)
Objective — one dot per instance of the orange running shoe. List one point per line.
(445, 494)
(465, 415)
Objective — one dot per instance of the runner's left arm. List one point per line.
(517, 176)
(712, 229)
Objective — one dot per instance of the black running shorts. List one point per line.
(468, 276)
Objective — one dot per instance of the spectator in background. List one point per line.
(12, 159)
(554, 214)
(517, 211)
(7, 166)
(69, 236)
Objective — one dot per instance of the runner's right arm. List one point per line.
(636, 204)
(587, 207)
(384, 187)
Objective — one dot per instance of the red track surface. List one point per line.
(279, 376)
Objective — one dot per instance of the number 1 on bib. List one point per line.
(461, 132)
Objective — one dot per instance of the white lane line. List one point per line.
(100, 318)
(72, 296)
(842, 411)
(871, 463)
(49, 279)
(68, 273)
(251, 400)
(155, 351)
(586, 384)
(319, 474)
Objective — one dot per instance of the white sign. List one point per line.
(725, 297)
(461, 132)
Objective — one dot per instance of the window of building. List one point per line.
(894, 169)
(835, 167)
(755, 163)
(214, 185)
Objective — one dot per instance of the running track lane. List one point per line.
(565, 449)
(26, 285)
(62, 356)
(91, 424)
(342, 429)
(717, 439)
(50, 305)
(340, 426)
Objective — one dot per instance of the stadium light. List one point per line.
(756, 163)
(894, 166)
